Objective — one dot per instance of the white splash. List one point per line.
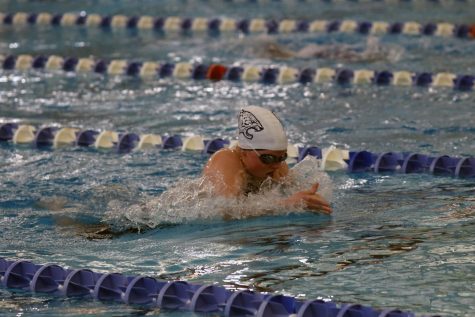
(194, 200)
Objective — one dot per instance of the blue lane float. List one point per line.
(147, 291)
(237, 73)
(215, 26)
(331, 158)
(465, 167)
(172, 142)
(407, 163)
(7, 131)
(44, 137)
(214, 145)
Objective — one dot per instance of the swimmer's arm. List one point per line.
(224, 172)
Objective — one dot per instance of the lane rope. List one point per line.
(200, 25)
(149, 292)
(331, 158)
(269, 75)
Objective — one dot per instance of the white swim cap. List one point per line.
(260, 128)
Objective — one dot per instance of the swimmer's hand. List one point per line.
(310, 199)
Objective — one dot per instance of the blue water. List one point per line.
(394, 240)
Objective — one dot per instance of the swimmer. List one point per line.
(259, 158)
(373, 51)
(249, 180)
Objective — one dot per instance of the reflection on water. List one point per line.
(382, 242)
(27, 305)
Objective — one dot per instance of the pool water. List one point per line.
(394, 240)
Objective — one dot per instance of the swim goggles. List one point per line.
(270, 158)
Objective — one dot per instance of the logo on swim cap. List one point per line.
(259, 128)
(247, 121)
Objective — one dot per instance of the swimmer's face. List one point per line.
(263, 163)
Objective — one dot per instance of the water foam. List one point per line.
(194, 200)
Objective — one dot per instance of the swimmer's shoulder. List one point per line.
(227, 158)
(225, 172)
(226, 154)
